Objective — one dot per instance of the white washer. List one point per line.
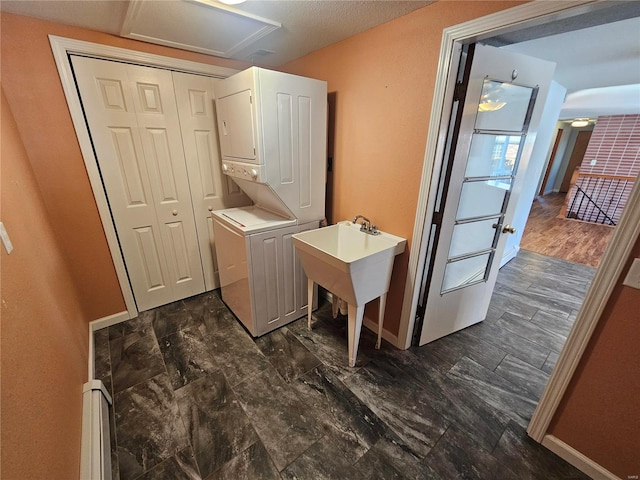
(261, 277)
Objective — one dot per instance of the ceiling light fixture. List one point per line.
(580, 122)
(490, 106)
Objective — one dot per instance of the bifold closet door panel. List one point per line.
(210, 189)
(134, 125)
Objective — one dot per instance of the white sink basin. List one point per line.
(351, 264)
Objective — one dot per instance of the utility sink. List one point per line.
(353, 265)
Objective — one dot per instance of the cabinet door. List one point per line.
(134, 127)
(278, 279)
(209, 187)
(237, 126)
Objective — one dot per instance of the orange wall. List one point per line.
(382, 83)
(35, 95)
(599, 414)
(43, 331)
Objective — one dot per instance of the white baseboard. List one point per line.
(509, 255)
(99, 324)
(577, 459)
(371, 325)
(386, 334)
(105, 322)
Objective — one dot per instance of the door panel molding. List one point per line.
(484, 184)
(61, 48)
(626, 234)
(522, 16)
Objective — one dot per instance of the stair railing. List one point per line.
(599, 198)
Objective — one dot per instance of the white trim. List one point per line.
(577, 459)
(370, 324)
(135, 11)
(533, 13)
(98, 325)
(611, 267)
(530, 14)
(509, 255)
(386, 334)
(105, 322)
(91, 363)
(61, 47)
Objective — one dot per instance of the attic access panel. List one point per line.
(196, 25)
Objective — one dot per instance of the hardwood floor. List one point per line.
(571, 240)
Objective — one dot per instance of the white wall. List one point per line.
(557, 160)
(561, 162)
(534, 169)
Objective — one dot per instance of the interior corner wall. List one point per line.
(599, 415)
(559, 157)
(43, 331)
(34, 93)
(381, 83)
(571, 134)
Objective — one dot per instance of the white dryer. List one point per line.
(273, 131)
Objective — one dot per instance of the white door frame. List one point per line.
(61, 48)
(618, 250)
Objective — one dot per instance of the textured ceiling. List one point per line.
(307, 25)
(587, 58)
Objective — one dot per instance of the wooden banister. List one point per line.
(599, 175)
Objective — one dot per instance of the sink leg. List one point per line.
(355, 325)
(381, 307)
(335, 304)
(309, 301)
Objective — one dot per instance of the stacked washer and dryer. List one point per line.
(273, 138)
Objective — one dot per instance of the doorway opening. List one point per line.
(609, 273)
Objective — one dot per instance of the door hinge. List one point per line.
(250, 99)
(437, 218)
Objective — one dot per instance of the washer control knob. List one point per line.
(254, 173)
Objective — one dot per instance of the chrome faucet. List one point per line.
(365, 225)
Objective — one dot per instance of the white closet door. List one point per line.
(134, 126)
(209, 188)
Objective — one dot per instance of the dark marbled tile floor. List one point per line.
(195, 397)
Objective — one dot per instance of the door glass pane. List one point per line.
(472, 237)
(465, 272)
(503, 106)
(492, 155)
(481, 199)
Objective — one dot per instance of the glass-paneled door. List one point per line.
(501, 110)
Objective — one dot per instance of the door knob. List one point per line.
(210, 209)
(174, 213)
(505, 229)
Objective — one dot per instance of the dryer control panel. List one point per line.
(252, 173)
